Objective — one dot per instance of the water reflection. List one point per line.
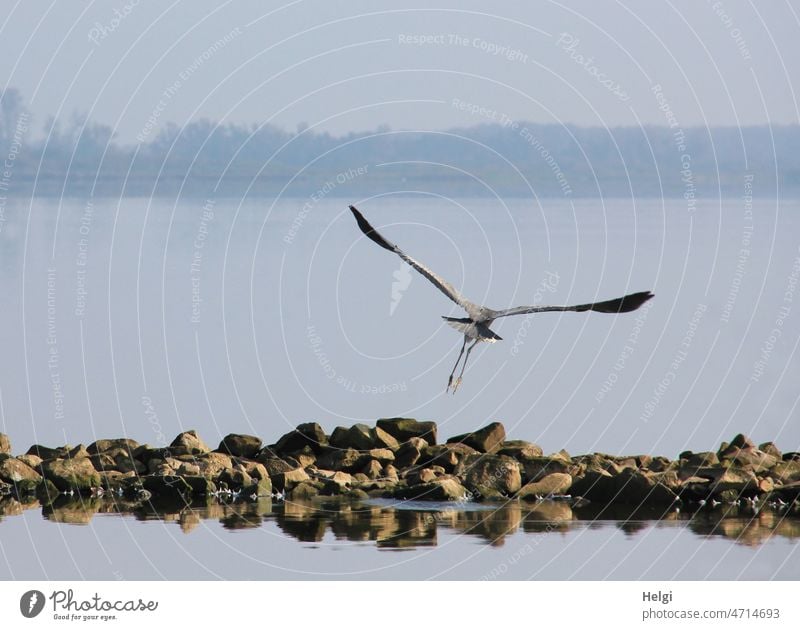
(410, 525)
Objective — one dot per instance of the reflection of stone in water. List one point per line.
(189, 520)
(10, 507)
(492, 525)
(547, 516)
(73, 511)
(411, 529)
(302, 521)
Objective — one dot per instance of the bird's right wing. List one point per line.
(440, 283)
(624, 304)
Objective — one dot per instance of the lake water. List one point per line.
(92, 539)
(143, 317)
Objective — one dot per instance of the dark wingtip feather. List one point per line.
(369, 231)
(624, 304)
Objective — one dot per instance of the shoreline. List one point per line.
(399, 458)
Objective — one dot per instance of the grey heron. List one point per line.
(475, 328)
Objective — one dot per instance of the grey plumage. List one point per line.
(476, 326)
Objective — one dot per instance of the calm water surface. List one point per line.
(145, 317)
(332, 539)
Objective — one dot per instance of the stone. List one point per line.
(595, 485)
(554, 483)
(358, 437)
(71, 474)
(188, 443)
(423, 475)
(536, 468)
(48, 453)
(5, 444)
(305, 457)
(274, 465)
(384, 440)
(403, 429)
(442, 489)
(699, 460)
(786, 471)
(520, 449)
(240, 445)
(101, 446)
(485, 440)
(212, 464)
(287, 480)
(751, 458)
(484, 474)
(124, 461)
(34, 461)
(307, 434)
(409, 452)
(304, 491)
(346, 460)
(791, 456)
(373, 469)
(47, 492)
(233, 479)
(446, 455)
(742, 441)
(383, 455)
(390, 472)
(771, 449)
(636, 488)
(12, 470)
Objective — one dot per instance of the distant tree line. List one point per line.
(80, 157)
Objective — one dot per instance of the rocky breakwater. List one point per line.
(399, 458)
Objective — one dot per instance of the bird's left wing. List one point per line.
(624, 304)
(440, 283)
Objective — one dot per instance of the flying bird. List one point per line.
(475, 328)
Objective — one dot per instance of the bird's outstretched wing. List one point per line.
(624, 304)
(441, 284)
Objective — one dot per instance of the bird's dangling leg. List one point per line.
(450, 380)
(463, 365)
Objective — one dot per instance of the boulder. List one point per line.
(304, 491)
(638, 488)
(423, 475)
(358, 437)
(212, 464)
(441, 489)
(750, 458)
(347, 460)
(285, 481)
(240, 445)
(188, 443)
(274, 465)
(403, 429)
(34, 461)
(771, 449)
(409, 452)
(71, 474)
(383, 455)
(49, 453)
(448, 456)
(233, 479)
(485, 440)
(13, 470)
(786, 471)
(373, 469)
(742, 441)
(383, 439)
(307, 434)
(536, 468)
(488, 475)
(5, 444)
(554, 483)
(520, 450)
(699, 460)
(101, 446)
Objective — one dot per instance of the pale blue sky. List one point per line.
(359, 65)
